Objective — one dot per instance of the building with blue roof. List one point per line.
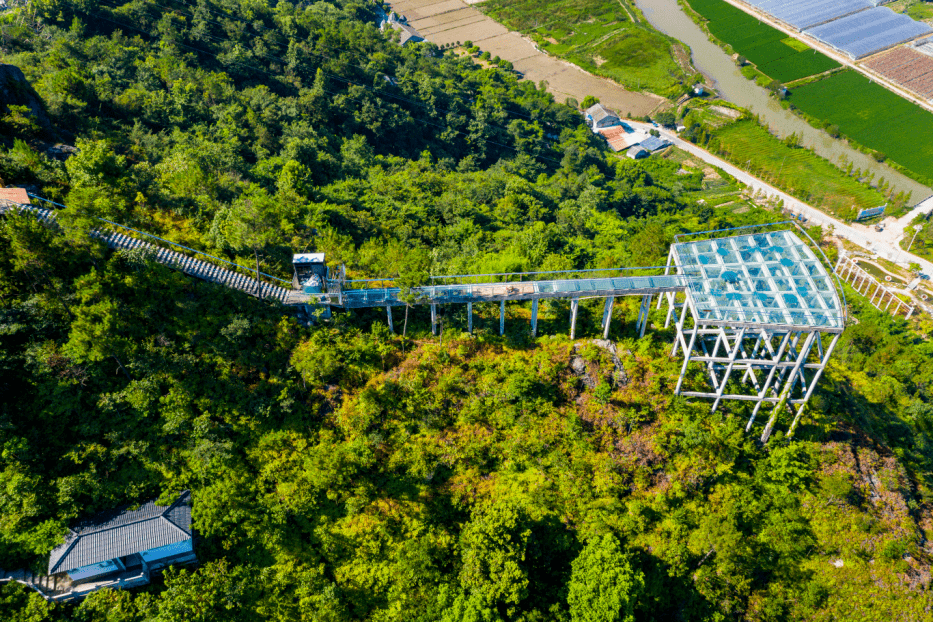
(121, 548)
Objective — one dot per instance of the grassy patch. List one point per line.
(799, 172)
(921, 11)
(872, 116)
(795, 44)
(761, 44)
(879, 274)
(629, 50)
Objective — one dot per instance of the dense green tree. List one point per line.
(603, 587)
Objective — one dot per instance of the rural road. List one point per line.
(883, 243)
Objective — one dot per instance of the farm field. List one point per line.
(799, 172)
(778, 56)
(872, 116)
(604, 37)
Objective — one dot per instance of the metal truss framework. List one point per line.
(764, 364)
(867, 285)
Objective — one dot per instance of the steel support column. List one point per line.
(389, 314)
(823, 362)
(433, 319)
(788, 387)
(574, 305)
(725, 378)
(534, 317)
(646, 301)
(502, 317)
(607, 315)
(470, 317)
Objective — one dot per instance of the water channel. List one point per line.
(713, 62)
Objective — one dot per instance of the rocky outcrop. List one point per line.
(592, 377)
(15, 90)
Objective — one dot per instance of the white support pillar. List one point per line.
(470, 317)
(574, 305)
(788, 387)
(816, 377)
(680, 329)
(667, 271)
(725, 378)
(688, 351)
(646, 302)
(710, 365)
(750, 372)
(607, 315)
(389, 314)
(534, 317)
(502, 317)
(776, 358)
(670, 308)
(433, 319)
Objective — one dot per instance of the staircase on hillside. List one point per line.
(198, 268)
(55, 587)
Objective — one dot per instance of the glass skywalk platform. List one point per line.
(518, 291)
(770, 278)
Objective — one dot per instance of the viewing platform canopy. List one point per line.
(770, 278)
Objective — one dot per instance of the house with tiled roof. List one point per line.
(598, 117)
(407, 34)
(121, 548)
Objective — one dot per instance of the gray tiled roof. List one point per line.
(122, 532)
(598, 112)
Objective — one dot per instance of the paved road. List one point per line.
(882, 243)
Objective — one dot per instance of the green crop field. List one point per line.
(768, 48)
(605, 37)
(799, 172)
(872, 116)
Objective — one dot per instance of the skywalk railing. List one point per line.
(199, 254)
(510, 277)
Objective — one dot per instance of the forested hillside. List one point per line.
(340, 472)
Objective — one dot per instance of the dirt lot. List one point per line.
(449, 21)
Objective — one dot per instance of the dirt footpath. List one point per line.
(450, 21)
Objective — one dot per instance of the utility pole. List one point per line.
(918, 228)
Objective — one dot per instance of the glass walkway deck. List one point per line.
(517, 291)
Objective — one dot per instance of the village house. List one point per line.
(599, 117)
(407, 33)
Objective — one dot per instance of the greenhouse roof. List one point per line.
(869, 31)
(804, 14)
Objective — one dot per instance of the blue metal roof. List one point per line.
(123, 532)
(654, 143)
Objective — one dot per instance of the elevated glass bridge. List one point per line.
(514, 290)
